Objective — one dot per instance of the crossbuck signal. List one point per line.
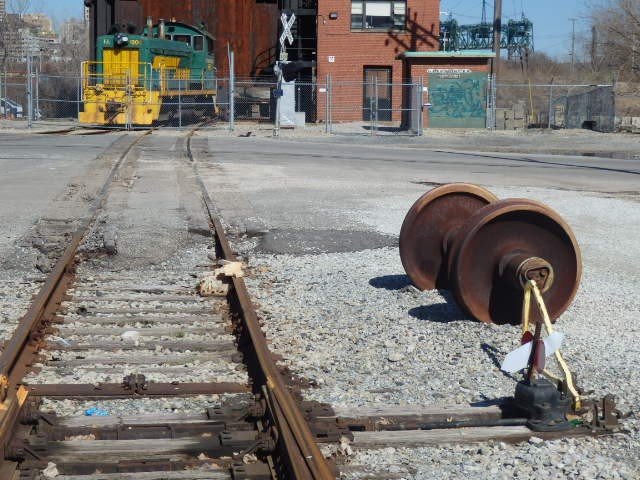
(287, 23)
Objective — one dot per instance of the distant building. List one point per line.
(29, 34)
(73, 32)
(40, 23)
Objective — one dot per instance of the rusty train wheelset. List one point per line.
(461, 237)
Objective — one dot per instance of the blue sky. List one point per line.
(551, 24)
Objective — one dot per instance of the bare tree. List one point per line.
(23, 6)
(615, 43)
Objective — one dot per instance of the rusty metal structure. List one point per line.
(461, 237)
(249, 27)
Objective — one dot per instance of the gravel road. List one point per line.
(350, 321)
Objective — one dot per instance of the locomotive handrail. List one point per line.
(123, 77)
(149, 78)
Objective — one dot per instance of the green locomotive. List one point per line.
(139, 79)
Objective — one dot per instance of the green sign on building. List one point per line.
(458, 97)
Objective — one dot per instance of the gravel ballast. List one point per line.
(352, 324)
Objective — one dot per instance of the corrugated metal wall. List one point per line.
(594, 109)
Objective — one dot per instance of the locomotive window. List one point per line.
(198, 43)
(182, 38)
(210, 45)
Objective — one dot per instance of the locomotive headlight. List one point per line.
(121, 40)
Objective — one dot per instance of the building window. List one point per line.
(198, 43)
(378, 14)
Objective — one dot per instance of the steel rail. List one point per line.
(12, 395)
(304, 457)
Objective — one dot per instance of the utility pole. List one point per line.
(497, 33)
(594, 47)
(573, 42)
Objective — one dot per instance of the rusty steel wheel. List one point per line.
(501, 247)
(430, 225)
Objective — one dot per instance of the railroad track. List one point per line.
(103, 348)
(94, 337)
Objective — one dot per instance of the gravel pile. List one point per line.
(353, 325)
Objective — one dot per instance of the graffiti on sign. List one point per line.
(458, 98)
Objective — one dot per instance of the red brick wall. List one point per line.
(355, 49)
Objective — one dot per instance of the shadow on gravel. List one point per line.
(380, 128)
(439, 313)
(494, 355)
(390, 282)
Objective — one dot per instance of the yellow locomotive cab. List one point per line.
(123, 97)
(143, 79)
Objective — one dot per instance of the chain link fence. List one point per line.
(371, 108)
(340, 108)
(12, 95)
(53, 98)
(343, 108)
(588, 106)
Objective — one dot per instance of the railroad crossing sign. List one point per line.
(287, 23)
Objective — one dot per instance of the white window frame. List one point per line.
(361, 11)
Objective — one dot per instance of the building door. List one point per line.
(377, 93)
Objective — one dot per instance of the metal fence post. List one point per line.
(29, 87)
(232, 92)
(37, 110)
(326, 105)
(78, 97)
(129, 99)
(179, 103)
(421, 107)
(550, 103)
(373, 106)
(491, 102)
(330, 103)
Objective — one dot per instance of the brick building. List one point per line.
(391, 43)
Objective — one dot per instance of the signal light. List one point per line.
(121, 40)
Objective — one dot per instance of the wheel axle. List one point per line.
(461, 237)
